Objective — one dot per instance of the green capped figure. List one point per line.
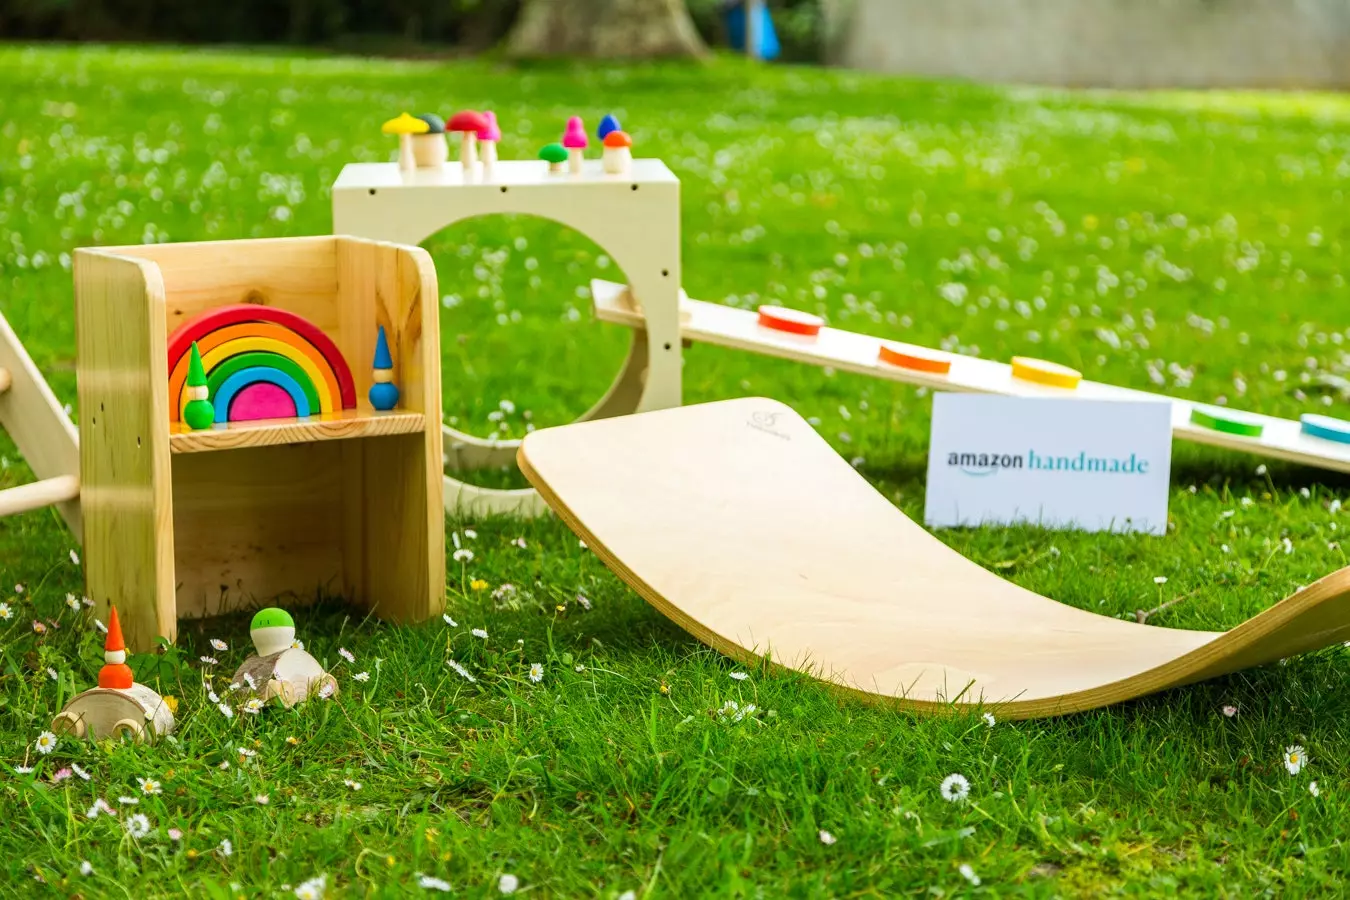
(280, 668)
(199, 414)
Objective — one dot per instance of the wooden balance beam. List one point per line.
(740, 524)
(739, 329)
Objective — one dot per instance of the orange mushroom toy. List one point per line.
(618, 155)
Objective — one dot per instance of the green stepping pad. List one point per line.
(1228, 423)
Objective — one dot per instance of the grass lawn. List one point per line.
(1187, 242)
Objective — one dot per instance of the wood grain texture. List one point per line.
(38, 424)
(739, 523)
(124, 448)
(335, 426)
(725, 326)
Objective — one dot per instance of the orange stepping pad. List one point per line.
(915, 358)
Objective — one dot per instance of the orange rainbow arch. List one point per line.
(260, 362)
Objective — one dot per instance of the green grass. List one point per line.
(1191, 241)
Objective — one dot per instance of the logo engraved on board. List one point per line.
(765, 421)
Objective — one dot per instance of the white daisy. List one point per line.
(175, 834)
(968, 874)
(826, 838)
(989, 719)
(225, 710)
(252, 706)
(346, 654)
(248, 680)
(219, 645)
(519, 542)
(739, 676)
(479, 633)
(5, 612)
(51, 673)
(536, 672)
(361, 676)
(428, 883)
(626, 895)
(955, 788)
(209, 660)
(470, 534)
(138, 826)
(1160, 579)
(584, 601)
(354, 785)
(297, 644)
(1230, 711)
(508, 883)
(73, 602)
(45, 743)
(74, 557)
(463, 556)
(149, 786)
(463, 672)
(23, 770)
(261, 799)
(128, 801)
(86, 867)
(100, 807)
(79, 771)
(1288, 546)
(449, 621)
(1295, 758)
(246, 752)
(100, 626)
(312, 889)
(226, 848)
(326, 689)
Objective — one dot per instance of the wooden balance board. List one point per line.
(740, 524)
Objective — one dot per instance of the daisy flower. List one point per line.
(1230, 711)
(463, 672)
(100, 626)
(225, 710)
(626, 895)
(51, 673)
(248, 680)
(536, 672)
(100, 806)
(508, 883)
(1314, 789)
(226, 848)
(297, 644)
(127, 801)
(23, 770)
(584, 601)
(1160, 579)
(1295, 758)
(45, 743)
(61, 775)
(504, 592)
(149, 786)
(479, 633)
(246, 752)
(5, 612)
(209, 660)
(175, 834)
(219, 645)
(354, 785)
(361, 676)
(312, 889)
(968, 874)
(449, 621)
(826, 838)
(989, 719)
(463, 556)
(326, 690)
(74, 558)
(138, 826)
(346, 654)
(428, 883)
(292, 740)
(739, 676)
(252, 706)
(470, 534)
(73, 602)
(86, 868)
(519, 542)
(262, 799)
(212, 695)
(79, 771)
(955, 788)
(38, 627)
(18, 589)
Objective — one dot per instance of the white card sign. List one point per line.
(1095, 465)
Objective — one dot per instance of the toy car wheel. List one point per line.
(125, 728)
(71, 724)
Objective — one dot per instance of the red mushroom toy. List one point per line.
(467, 124)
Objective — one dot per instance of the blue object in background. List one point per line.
(733, 16)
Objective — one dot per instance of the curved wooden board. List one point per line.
(181, 340)
(738, 522)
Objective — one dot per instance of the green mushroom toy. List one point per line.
(280, 669)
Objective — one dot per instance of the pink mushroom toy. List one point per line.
(467, 124)
(488, 136)
(574, 139)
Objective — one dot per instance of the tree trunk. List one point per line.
(605, 29)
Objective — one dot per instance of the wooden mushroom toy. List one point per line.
(118, 707)
(429, 149)
(607, 124)
(405, 126)
(278, 669)
(574, 140)
(467, 124)
(555, 155)
(488, 136)
(618, 153)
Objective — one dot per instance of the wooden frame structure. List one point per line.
(183, 523)
(634, 216)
